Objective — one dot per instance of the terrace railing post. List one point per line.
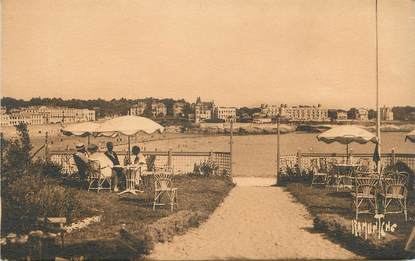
(299, 162)
(46, 145)
(231, 147)
(2, 148)
(169, 159)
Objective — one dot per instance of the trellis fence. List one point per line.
(181, 162)
(302, 161)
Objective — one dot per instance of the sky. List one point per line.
(235, 52)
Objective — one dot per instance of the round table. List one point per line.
(132, 178)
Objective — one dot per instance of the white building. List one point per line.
(225, 113)
(341, 115)
(386, 114)
(362, 114)
(138, 109)
(38, 115)
(270, 110)
(158, 109)
(178, 109)
(203, 110)
(305, 113)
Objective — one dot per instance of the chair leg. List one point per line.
(405, 211)
(154, 201)
(356, 208)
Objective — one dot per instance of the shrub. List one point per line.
(28, 192)
(31, 197)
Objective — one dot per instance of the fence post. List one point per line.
(393, 159)
(46, 145)
(2, 148)
(299, 161)
(211, 159)
(231, 147)
(169, 159)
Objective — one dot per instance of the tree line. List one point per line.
(102, 107)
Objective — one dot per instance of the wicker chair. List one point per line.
(163, 185)
(96, 178)
(395, 191)
(365, 191)
(319, 174)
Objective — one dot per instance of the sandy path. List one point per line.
(254, 222)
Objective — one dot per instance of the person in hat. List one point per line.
(104, 162)
(81, 161)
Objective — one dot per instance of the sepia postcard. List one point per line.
(207, 129)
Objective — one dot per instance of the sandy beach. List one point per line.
(256, 221)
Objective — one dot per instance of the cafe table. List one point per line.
(344, 174)
(132, 178)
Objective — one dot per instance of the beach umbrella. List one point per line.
(347, 134)
(82, 129)
(410, 136)
(129, 126)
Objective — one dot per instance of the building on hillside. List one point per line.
(138, 109)
(270, 110)
(362, 114)
(4, 118)
(341, 115)
(203, 110)
(386, 114)
(304, 113)
(38, 115)
(178, 109)
(158, 109)
(227, 114)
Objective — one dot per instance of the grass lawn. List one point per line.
(327, 202)
(100, 240)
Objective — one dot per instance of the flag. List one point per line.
(376, 155)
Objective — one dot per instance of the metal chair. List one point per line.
(395, 191)
(319, 174)
(96, 178)
(365, 191)
(163, 185)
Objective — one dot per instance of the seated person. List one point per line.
(81, 160)
(137, 158)
(105, 163)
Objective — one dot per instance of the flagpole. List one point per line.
(377, 90)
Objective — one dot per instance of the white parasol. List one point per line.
(128, 125)
(83, 129)
(347, 134)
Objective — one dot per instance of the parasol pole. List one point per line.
(129, 151)
(278, 148)
(347, 152)
(377, 90)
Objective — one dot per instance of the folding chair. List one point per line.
(365, 191)
(319, 174)
(163, 185)
(96, 178)
(395, 191)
